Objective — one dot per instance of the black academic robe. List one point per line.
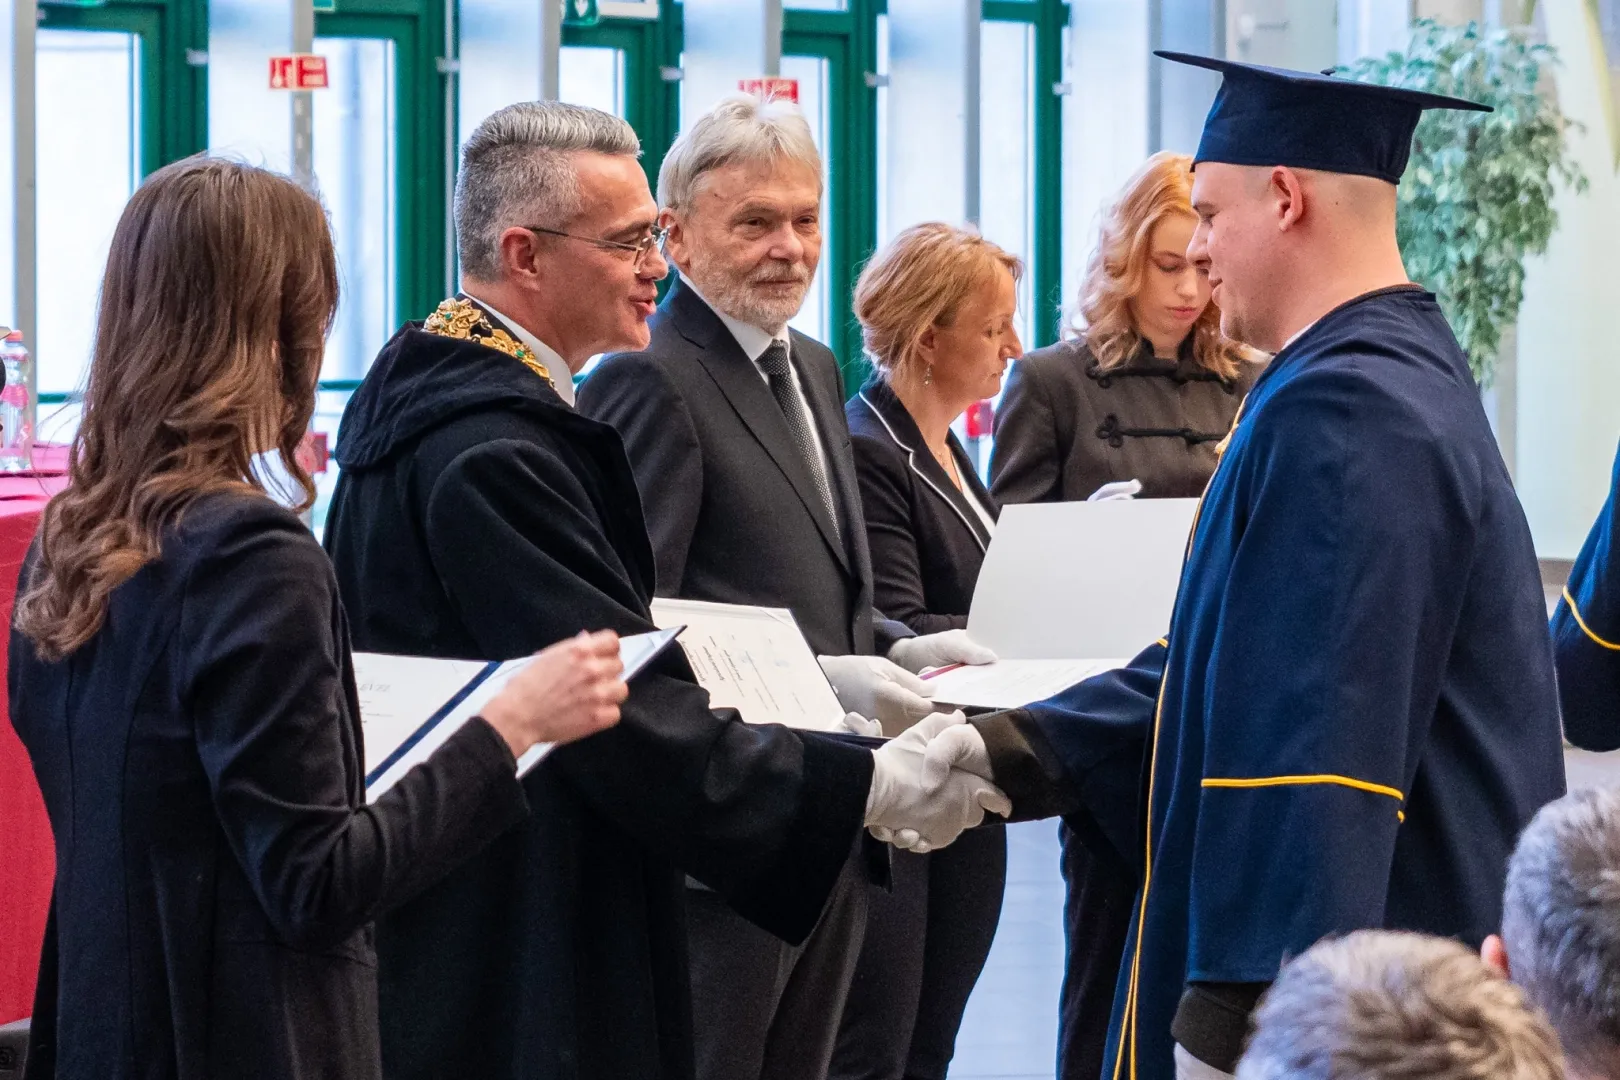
(479, 516)
(1586, 636)
(1354, 713)
(216, 863)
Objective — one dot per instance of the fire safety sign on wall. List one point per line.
(301, 71)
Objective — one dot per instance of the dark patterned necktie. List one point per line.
(779, 373)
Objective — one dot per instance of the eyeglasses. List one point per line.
(654, 238)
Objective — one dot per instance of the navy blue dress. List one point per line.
(1586, 638)
(1354, 712)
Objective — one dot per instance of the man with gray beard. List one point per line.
(735, 430)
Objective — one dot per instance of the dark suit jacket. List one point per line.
(1064, 427)
(216, 864)
(478, 516)
(732, 508)
(927, 542)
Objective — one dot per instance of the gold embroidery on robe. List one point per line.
(1220, 447)
(464, 320)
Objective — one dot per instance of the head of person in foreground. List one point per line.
(1386, 1005)
(1561, 926)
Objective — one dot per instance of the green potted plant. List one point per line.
(1478, 194)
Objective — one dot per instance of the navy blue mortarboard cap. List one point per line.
(1274, 116)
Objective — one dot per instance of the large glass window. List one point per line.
(814, 93)
(89, 139)
(354, 170)
(355, 167)
(247, 119)
(492, 32)
(1007, 150)
(592, 75)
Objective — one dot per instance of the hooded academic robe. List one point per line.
(1353, 714)
(478, 516)
(1586, 636)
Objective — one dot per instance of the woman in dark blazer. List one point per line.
(1146, 394)
(936, 309)
(181, 678)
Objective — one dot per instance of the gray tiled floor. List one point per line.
(1010, 1030)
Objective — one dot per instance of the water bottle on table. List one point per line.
(17, 436)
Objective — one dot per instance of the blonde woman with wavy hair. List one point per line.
(1143, 390)
(1146, 385)
(181, 678)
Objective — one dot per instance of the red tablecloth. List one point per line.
(27, 862)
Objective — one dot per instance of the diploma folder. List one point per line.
(1068, 591)
(755, 660)
(397, 692)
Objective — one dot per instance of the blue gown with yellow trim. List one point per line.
(1586, 636)
(1356, 712)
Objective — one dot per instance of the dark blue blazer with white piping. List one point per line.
(927, 542)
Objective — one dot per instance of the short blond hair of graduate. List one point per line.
(918, 280)
(1386, 1005)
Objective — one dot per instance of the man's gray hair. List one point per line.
(739, 129)
(516, 170)
(1382, 1005)
(1561, 923)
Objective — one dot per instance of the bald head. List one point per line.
(1283, 246)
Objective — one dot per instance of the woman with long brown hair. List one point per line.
(1144, 390)
(180, 676)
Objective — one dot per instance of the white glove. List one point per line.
(1119, 489)
(899, 809)
(960, 746)
(875, 688)
(938, 650)
(856, 724)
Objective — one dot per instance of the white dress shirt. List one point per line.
(978, 507)
(561, 377)
(754, 342)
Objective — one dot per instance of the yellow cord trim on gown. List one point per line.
(1296, 781)
(1580, 622)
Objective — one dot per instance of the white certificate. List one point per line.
(1007, 684)
(1065, 588)
(1076, 579)
(411, 705)
(754, 660)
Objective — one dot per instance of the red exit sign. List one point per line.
(771, 89)
(301, 71)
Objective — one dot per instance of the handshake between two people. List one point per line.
(932, 783)
(932, 780)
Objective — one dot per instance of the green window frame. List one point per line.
(652, 103)
(848, 41)
(174, 81)
(1050, 18)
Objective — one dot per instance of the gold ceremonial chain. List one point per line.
(465, 321)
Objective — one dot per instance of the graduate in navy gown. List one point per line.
(1353, 713)
(1586, 637)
